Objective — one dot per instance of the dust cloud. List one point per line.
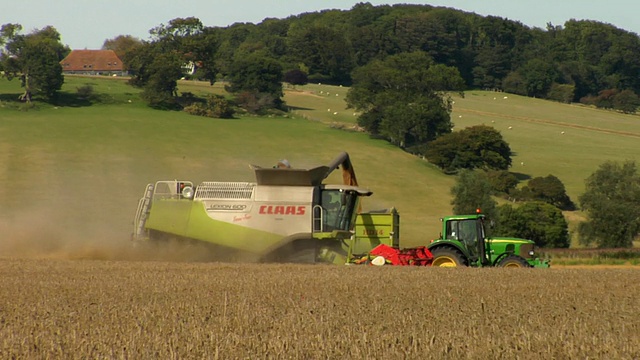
(47, 234)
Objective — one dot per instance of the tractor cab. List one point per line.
(470, 233)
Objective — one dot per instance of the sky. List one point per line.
(87, 24)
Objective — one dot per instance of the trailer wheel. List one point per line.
(447, 257)
(513, 261)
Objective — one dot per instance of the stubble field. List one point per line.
(170, 310)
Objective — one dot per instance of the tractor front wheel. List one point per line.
(446, 257)
(513, 261)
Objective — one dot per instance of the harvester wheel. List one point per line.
(513, 261)
(446, 257)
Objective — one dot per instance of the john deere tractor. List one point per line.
(464, 242)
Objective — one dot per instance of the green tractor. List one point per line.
(464, 242)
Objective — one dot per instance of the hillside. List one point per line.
(72, 175)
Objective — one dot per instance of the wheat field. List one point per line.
(95, 309)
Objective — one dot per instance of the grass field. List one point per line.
(76, 170)
(136, 310)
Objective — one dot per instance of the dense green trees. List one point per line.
(536, 218)
(538, 221)
(612, 203)
(548, 189)
(33, 58)
(157, 65)
(569, 62)
(403, 99)
(257, 82)
(156, 71)
(296, 77)
(472, 191)
(475, 147)
(324, 51)
(121, 45)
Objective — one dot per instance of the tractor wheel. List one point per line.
(447, 257)
(513, 261)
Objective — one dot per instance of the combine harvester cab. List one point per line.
(287, 215)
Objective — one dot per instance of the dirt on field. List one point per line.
(47, 234)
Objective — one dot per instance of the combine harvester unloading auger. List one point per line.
(290, 215)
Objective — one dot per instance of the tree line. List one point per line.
(581, 60)
(611, 202)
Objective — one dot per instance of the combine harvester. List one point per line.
(290, 215)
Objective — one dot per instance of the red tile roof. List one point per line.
(92, 60)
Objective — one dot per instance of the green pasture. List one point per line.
(567, 141)
(77, 169)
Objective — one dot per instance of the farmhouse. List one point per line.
(93, 62)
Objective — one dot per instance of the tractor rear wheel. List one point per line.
(447, 257)
(513, 261)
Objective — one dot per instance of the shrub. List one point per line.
(502, 181)
(85, 92)
(561, 92)
(216, 106)
(296, 77)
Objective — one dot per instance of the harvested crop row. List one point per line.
(97, 309)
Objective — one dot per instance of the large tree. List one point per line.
(472, 191)
(156, 72)
(157, 65)
(548, 189)
(538, 221)
(34, 59)
(404, 98)
(121, 45)
(612, 203)
(474, 147)
(258, 77)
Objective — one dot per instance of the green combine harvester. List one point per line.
(290, 215)
(287, 215)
